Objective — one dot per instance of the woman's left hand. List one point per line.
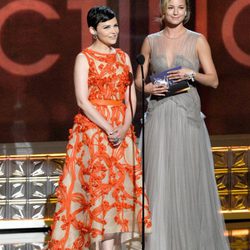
(117, 135)
(181, 74)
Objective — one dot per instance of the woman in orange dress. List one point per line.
(100, 191)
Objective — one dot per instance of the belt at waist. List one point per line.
(107, 102)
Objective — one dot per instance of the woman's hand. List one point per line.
(117, 135)
(156, 89)
(181, 74)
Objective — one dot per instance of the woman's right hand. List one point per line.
(115, 136)
(156, 89)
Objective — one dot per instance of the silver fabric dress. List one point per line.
(179, 174)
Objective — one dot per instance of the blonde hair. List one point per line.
(164, 5)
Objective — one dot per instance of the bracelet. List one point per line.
(191, 76)
(109, 132)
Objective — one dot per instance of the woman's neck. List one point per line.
(102, 48)
(174, 32)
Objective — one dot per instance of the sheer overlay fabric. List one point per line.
(178, 161)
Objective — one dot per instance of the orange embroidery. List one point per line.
(100, 188)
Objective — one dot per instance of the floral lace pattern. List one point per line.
(100, 191)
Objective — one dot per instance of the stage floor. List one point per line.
(239, 236)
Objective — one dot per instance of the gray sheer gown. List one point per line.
(178, 160)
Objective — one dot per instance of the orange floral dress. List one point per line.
(100, 190)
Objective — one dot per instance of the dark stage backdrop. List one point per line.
(227, 28)
(40, 39)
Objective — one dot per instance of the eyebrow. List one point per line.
(106, 25)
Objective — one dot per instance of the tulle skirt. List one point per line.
(180, 179)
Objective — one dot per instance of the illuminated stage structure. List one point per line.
(28, 183)
(38, 44)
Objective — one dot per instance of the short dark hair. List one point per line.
(99, 14)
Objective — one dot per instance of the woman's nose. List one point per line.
(115, 30)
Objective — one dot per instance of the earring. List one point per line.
(94, 36)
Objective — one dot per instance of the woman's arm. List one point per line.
(81, 91)
(149, 88)
(209, 77)
(130, 102)
(130, 99)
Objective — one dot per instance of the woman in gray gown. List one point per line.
(178, 160)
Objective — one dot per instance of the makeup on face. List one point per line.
(107, 32)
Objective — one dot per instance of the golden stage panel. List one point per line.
(28, 183)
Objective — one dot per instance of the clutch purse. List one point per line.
(173, 87)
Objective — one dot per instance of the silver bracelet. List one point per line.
(190, 76)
